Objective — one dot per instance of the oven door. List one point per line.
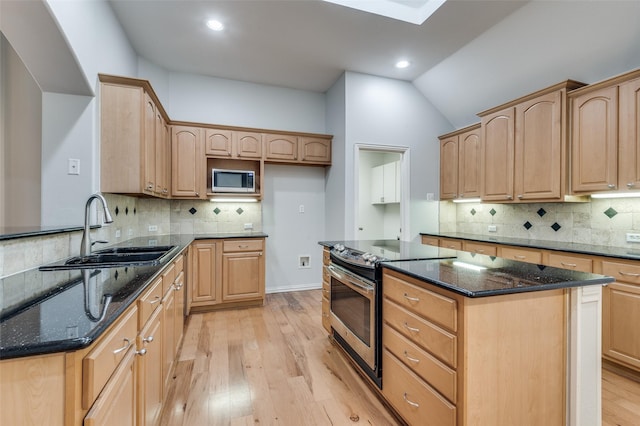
(353, 315)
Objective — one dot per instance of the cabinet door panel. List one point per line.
(449, 168)
(204, 273)
(498, 155)
(150, 389)
(187, 158)
(218, 143)
(314, 150)
(620, 337)
(538, 148)
(629, 140)
(248, 144)
(594, 135)
(243, 276)
(469, 164)
(149, 166)
(280, 147)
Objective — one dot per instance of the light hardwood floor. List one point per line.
(274, 365)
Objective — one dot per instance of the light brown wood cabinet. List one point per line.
(227, 272)
(441, 351)
(150, 386)
(163, 157)
(225, 143)
(188, 162)
(278, 148)
(524, 147)
(132, 142)
(326, 291)
(314, 150)
(460, 164)
(605, 142)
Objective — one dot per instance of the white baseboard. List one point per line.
(301, 287)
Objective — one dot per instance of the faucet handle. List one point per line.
(99, 241)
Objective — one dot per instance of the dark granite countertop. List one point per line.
(394, 250)
(475, 275)
(589, 249)
(67, 317)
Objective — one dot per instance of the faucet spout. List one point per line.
(85, 245)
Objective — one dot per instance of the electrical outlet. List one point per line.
(430, 196)
(492, 228)
(153, 228)
(303, 261)
(301, 208)
(118, 233)
(130, 232)
(633, 238)
(248, 226)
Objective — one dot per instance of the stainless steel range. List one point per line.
(356, 294)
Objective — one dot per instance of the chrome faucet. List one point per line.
(85, 245)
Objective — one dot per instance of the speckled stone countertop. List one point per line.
(474, 275)
(595, 250)
(67, 317)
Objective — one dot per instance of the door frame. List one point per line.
(404, 152)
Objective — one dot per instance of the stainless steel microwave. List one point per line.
(223, 180)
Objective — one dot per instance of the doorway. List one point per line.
(381, 192)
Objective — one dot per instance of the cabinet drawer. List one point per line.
(416, 401)
(437, 341)
(149, 301)
(575, 263)
(242, 245)
(521, 254)
(432, 306)
(179, 264)
(451, 244)
(432, 371)
(480, 248)
(431, 241)
(168, 277)
(624, 272)
(101, 362)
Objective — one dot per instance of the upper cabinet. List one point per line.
(460, 164)
(385, 183)
(221, 143)
(314, 150)
(280, 147)
(605, 143)
(133, 138)
(188, 162)
(524, 147)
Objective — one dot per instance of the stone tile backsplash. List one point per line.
(599, 222)
(132, 217)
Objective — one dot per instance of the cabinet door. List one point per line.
(242, 276)
(469, 164)
(538, 148)
(187, 159)
(218, 143)
(281, 147)
(163, 156)
(377, 185)
(168, 335)
(149, 144)
(313, 150)
(498, 155)
(594, 135)
(621, 316)
(179, 306)
(389, 176)
(248, 144)
(449, 168)
(150, 389)
(205, 274)
(116, 405)
(629, 138)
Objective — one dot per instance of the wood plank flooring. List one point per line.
(274, 365)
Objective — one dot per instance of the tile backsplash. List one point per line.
(132, 217)
(599, 222)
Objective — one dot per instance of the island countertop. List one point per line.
(475, 275)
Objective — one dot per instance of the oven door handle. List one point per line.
(332, 271)
(367, 289)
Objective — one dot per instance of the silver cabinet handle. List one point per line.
(406, 355)
(127, 343)
(408, 327)
(480, 251)
(155, 300)
(509, 197)
(519, 256)
(520, 196)
(631, 185)
(141, 352)
(611, 186)
(408, 401)
(628, 274)
(570, 265)
(148, 339)
(413, 299)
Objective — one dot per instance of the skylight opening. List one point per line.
(412, 11)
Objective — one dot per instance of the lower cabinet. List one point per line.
(150, 386)
(227, 272)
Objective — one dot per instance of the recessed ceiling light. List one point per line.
(402, 64)
(215, 25)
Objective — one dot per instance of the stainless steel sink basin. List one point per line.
(114, 257)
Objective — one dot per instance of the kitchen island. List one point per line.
(482, 340)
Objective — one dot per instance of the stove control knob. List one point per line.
(373, 259)
(338, 247)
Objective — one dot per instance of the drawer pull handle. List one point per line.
(148, 339)
(479, 250)
(244, 246)
(141, 352)
(406, 355)
(155, 300)
(519, 256)
(178, 287)
(628, 274)
(127, 343)
(408, 327)
(413, 299)
(408, 401)
(571, 265)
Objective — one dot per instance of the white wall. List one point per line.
(540, 44)
(292, 233)
(382, 111)
(334, 218)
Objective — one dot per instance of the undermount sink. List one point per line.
(114, 257)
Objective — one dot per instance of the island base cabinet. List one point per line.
(417, 401)
(620, 337)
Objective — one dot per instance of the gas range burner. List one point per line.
(356, 257)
